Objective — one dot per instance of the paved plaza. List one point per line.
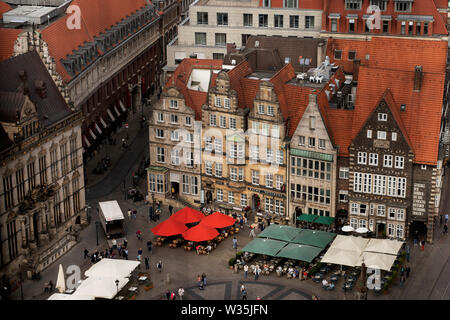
(430, 276)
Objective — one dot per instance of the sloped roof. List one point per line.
(390, 68)
(8, 37)
(10, 103)
(96, 17)
(4, 7)
(193, 99)
(50, 109)
(5, 142)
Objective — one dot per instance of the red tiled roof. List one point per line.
(389, 74)
(244, 89)
(4, 7)
(340, 124)
(8, 37)
(423, 109)
(303, 4)
(193, 99)
(96, 17)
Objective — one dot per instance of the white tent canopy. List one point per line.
(61, 281)
(353, 251)
(115, 268)
(384, 246)
(349, 243)
(63, 296)
(377, 260)
(341, 257)
(100, 287)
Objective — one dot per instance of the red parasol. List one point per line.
(169, 228)
(218, 220)
(200, 233)
(187, 215)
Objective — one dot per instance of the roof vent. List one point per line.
(417, 78)
(233, 62)
(403, 107)
(41, 88)
(257, 44)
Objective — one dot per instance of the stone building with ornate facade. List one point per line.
(42, 196)
(105, 63)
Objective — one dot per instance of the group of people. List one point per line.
(154, 212)
(170, 295)
(201, 281)
(256, 271)
(404, 274)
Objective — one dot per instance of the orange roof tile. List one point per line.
(193, 99)
(96, 17)
(8, 37)
(4, 7)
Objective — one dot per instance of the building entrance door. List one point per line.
(418, 230)
(175, 188)
(380, 230)
(255, 202)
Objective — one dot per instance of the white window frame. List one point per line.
(381, 210)
(222, 122)
(208, 168)
(231, 197)
(381, 135)
(261, 109)
(212, 120)
(387, 161)
(233, 174)
(219, 195)
(173, 104)
(362, 157)
(218, 170)
(394, 136)
(255, 177)
(373, 159)
(322, 143)
(159, 133)
(188, 121)
(369, 133)
(160, 117)
(301, 140)
(243, 200)
(217, 102)
(344, 172)
(226, 103)
(399, 162)
(232, 123)
(269, 180)
(270, 110)
(382, 116)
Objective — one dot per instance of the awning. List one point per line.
(266, 247)
(412, 17)
(334, 16)
(315, 238)
(110, 115)
(115, 268)
(200, 233)
(324, 220)
(299, 252)
(86, 141)
(103, 123)
(92, 134)
(384, 246)
(169, 228)
(377, 260)
(218, 220)
(341, 257)
(307, 217)
(312, 154)
(122, 106)
(117, 110)
(280, 232)
(352, 16)
(187, 215)
(98, 128)
(350, 243)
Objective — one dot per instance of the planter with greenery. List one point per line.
(148, 285)
(231, 262)
(131, 296)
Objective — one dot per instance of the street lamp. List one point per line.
(117, 286)
(96, 230)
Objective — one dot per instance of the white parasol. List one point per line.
(362, 230)
(347, 229)
(61, 282)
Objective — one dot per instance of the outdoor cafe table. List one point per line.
(348, 286)
(334, 278)
(133, 289)
(142, 279)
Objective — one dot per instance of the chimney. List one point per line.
(41, 88)
(417, 78)
(320, 47)
(23, 77)
(356, 64)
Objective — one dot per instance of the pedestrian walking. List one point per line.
(134, 213)
(245, 271)
(241, 222)
(402, 281)
(168, 295)
(150, 213)
(125, 252)
(441, 218)
(416, 237)
(257, 272)
(147, 263)
(402, 271)
(139, 234)
(157, 214)
(446, 218)
(140, 251)
(422, 245)
(408, 270)
(149, 246)
(200, 282)
(408, 252)
(244, 294)
(50, 286)
(125, 243)
(86, 253)
(252, 233)
(445, 229)
(173, 296)
(181, 293)
(242, 288)
(234, 243)
(129, 213)
(159, 266)
(204, 279)
(170, 210)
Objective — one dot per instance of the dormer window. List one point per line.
(353, 4)
(403, 6)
